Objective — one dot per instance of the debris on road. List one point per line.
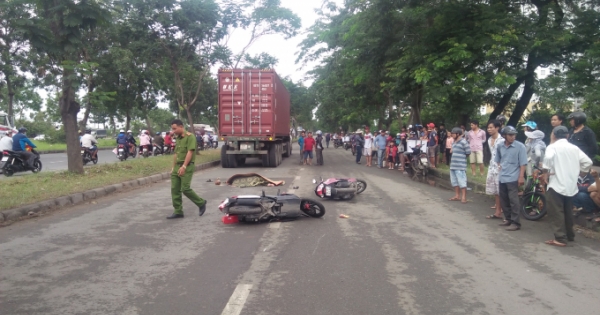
(209, 180)
(218, 182)
(252, 180)
(343, 216)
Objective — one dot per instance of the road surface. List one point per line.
(404, 249)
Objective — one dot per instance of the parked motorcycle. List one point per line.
(14, 163)
(417, 161)
(167, 149)
(157, 150)
(337, 143)
(347, 146)
(86, 155)
(263, 208)
(145, 150)
(339, 188)
(215, 144)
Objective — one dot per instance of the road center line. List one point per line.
(237, 300)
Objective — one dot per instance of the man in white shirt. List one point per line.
(88, 141)
(368, 145)
(562, 165)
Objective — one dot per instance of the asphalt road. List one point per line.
(404, 249)
(58, 162)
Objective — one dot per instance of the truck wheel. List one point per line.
(287, 149)
(241, 161)
(224, 159)
(232, 161)
(279, 153)
(265, 160)
(272, 156)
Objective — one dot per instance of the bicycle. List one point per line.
(533, 204)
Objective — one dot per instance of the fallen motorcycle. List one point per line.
(339, 188)
(264, 208)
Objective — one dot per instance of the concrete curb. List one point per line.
(86, 196)
(476, 187)
(65, 151)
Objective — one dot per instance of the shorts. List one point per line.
(308, 154)
(492, 185)
(432, 151)
(390, 159)
(367, 151)
(476, 157)
(458, 178)
(373, 153)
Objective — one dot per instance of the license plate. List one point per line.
(145, 150)
(121, 150)
(320, 188)
(4, 158)
(82, 151)
(328, 191)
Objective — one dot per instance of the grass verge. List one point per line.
(33, 188)
(45, 146)
(470, 178)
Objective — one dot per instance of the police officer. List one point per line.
(183, 170)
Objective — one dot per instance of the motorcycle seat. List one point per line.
(248, 201)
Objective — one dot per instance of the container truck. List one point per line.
(254, 117)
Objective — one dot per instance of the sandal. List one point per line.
(454, 199)
(493, 207)
(493, 216)
(464, 201)
(555, 243)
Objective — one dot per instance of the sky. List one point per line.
(275, 45)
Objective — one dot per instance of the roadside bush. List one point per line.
(54, 136)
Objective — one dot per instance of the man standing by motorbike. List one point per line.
(327, 139)
(159, 142)
(319, 148)
(581, 135)
(89, 142)
(360, 142)
(131, 142)
(168, 140)
(20, 141)
(301, 144)
(181, 176)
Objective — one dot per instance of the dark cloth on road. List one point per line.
(560, 215)
(510, 202)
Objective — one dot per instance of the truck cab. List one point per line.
(6, 124)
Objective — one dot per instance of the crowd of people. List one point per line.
(564, 165)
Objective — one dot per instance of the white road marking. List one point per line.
(274, 225)
(297, 177)
(318, 244)
(237, 300)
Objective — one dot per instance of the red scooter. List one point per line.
(339, 188)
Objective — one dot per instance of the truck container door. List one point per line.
(260, 112)
(232, 94)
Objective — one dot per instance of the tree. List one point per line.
(64, 22)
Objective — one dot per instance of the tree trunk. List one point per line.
(127, 120)
(417, 101)
(523, 101)
(499, 108)
(190, 119)
(68, 112)
(11, 97)
(149, 124)
(88, 105)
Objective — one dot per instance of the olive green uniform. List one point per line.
(182, 184)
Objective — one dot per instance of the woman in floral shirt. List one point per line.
(492, 184)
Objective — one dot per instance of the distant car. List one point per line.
(40, 137)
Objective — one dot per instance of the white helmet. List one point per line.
(121, 131)
(319, 132)
(129, 131)
(93, 133)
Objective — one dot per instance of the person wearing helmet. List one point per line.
(476, 137)
(502, 120)
(301, 144)
(319, 147)
(122, 139)
(561, 168)
(20, 143)
(360, 143)
(145, 139)
(581, 135)
(159, 141)
(535, 150)
(492, 184)
(512, 160)
(131, 142)
(458, 165)
(89, 142)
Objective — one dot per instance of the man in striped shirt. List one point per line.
(458, 165)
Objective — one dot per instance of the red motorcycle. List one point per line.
(145, 150)
(340, 188)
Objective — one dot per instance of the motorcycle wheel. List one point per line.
(84, 160)
(533, 206)
(37, 166)
(8, 172)
(361, 185)
(95, 161)
(312, 208)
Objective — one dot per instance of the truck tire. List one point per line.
(279, 153)
(232, 161)
(272, 155)
(224, 157)
(265, 160)
(287, 150)
(241, 161)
